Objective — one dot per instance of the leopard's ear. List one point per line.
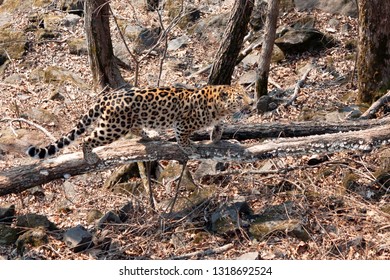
(224, 95)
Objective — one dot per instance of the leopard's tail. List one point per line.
(70, 137)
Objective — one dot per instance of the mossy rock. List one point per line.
(22, 5)
(173, 171)
(261, 229)
(34, 221)
(185, 205)
(57, 75)
(13, 43)
(42, 116)
(174, 7)
(52, 22)
(77, 46)
(8, 235)
(35, 237)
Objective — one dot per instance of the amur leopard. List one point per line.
(130, 110)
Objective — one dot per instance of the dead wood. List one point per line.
(20, 178)
(294, 129)
(374, 108)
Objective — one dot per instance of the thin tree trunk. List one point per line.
(373, 64)
(226, 57)
(266, 50)
(101, 57)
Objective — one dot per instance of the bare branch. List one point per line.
(298, 86)
(203, 253)
(41, 128)
(374, 108)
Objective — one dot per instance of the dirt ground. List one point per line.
(344, 218)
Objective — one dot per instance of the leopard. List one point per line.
(131, 110)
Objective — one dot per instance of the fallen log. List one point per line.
(20, 178)
(293, 129)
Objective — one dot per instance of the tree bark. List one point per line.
(373, 63)
(18, 179)
(266, 50)
(226, 57)
(101, 57)
(294, 129)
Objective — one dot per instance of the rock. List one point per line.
(348, 112)
(34, 237)
(8, 235)
(283, 217)
(34, 221)
(70, 191)
(185, 205)
(78, 239)
(41, 116)
(133, 31)
(178, 42)
(258, 15)
(93, 215)
(344, 7)
(357, 243)
(71, 20)
(71, 6)
(191, 13)
(125, 211)
(302, 40)
(56, 95)
(7, 213)
(5, 19)
(46, 34)
(208, 170)
(50, 22)
(172, 172)
(13, 44)
(56, 74)
(14, 79)
(228, 218)
(77, 46)
(216, 22)
(147, 38)
(102, 240)
(249, 256)
(121, 52)
(247, 78)
(109, 218)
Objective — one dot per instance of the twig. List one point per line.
(248, 50)
(11, 120)
(369, 113)
(204, 252)
(298, 86)
(172, 204)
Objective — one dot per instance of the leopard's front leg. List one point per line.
(183, 139)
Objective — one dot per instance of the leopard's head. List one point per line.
(235, 99)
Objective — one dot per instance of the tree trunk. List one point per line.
(266, 50)
(20, 178)
(226, 57)
(101, 57)
(373, 63)
(152, 5)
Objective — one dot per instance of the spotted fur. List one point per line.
(130, 110)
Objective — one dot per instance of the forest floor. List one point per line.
(342, 207)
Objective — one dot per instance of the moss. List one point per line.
(13, 43)
(20, 5)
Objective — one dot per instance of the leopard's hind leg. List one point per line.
(108, 130)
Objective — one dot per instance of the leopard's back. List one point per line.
(129, 110)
